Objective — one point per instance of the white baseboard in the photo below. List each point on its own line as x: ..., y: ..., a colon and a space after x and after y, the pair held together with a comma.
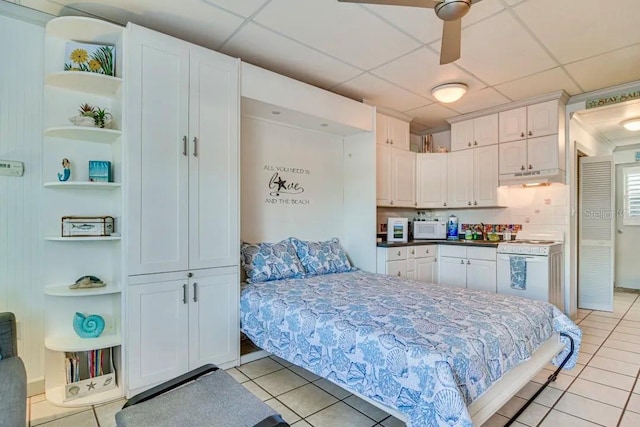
x: 35, y: 387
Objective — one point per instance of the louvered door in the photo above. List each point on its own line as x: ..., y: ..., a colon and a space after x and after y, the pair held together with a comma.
x: 596, y: 234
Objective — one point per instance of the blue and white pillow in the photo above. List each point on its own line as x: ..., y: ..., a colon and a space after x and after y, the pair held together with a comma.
x: 270, y: 261
x: 322, y: 257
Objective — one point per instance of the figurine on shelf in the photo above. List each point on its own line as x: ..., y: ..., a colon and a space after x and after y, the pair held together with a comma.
x: 87, y: 282
x: 66, y: 170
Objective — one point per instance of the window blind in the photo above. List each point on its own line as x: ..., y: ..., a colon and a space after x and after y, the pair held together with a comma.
x: 632, y: 196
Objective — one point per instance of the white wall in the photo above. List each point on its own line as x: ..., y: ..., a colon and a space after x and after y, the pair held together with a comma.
x: 586, y: 142
x: 21, y: 94
x: 311, y: 160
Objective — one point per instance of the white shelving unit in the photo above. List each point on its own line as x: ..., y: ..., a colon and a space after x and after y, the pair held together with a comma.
x: 65, y: 91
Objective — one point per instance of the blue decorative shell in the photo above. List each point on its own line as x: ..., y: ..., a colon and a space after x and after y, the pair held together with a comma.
x: 88, y: 326
x: 449, y: 406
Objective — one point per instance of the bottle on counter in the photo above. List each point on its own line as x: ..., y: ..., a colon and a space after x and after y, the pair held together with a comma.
x: 452, y: 228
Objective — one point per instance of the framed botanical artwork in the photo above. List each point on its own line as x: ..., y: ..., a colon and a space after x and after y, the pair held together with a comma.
x: 93, y: 58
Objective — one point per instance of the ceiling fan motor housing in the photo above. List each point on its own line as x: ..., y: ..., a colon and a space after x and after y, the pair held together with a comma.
x: 452, y: 10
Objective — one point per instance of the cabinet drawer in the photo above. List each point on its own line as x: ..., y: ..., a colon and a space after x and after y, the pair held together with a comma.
x: 425, y: 251
x: 488, y: 254
x: 394, y: 254
x: 453, y: 251
x: 397, y: 268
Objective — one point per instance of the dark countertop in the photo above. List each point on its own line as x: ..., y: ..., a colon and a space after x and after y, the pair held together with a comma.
x: 462, y: 242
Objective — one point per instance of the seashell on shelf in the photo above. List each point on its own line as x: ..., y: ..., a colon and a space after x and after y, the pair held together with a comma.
x: 88, y: 121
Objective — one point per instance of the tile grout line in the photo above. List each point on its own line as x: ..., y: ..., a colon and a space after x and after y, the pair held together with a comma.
x: 565, y: 391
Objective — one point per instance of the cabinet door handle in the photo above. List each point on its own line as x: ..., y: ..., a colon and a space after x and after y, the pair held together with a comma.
x: 195, y: 292
x: 522, y: 167
x: 398, y: 253
x: 469, y: 203
x: 184, y: 145
x: 475, y: 203
x: 445, y: 204
x: 469, y: 144
x: 392, y: 142
x: 461, y: 261
x: 475, y: 142
x: 530, y: 167
x: 184, y: 293
x: 413, y: 252
x: 427, y: 250
x: 391, y: 202
x: 521, y: 134
x: 468, y: 262
x: 530, y: 133
x: 398, y: 274
x: 387, y: 140
x: 195, y: 146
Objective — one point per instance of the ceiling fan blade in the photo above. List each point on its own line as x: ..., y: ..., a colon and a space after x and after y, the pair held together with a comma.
x: 451, y: 35
x: 413, y: 3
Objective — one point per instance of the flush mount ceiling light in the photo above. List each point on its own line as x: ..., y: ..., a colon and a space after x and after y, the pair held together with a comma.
x: 449, y: 92
x: 632, y: 124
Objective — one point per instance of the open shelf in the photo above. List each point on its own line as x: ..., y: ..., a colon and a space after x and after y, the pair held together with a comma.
x: 80, y: 133
x: 83, y: 81
x: 85, y: 239
x: 64, y: 291
x: 86, y: 30
x: 82, y: 185
x: 55, y: 396
x: 75, y: 343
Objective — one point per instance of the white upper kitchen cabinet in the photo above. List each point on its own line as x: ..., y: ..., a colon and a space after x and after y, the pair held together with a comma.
x: 485, y: 176
x: 533, y: 154
x: 513, y: 157
x: 392, y: 131
x: 472, y: 178
x: 431, y: 180
x: 478, y: 132
x: 183, y: 153
x: 460, y: 178
x: 531, y: 121
x: 395, y: 177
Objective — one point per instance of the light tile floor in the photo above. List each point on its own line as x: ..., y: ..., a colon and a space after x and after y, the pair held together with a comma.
x: 603, y: 390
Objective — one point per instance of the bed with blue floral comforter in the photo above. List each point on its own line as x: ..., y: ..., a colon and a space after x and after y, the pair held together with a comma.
x: 426, y: 350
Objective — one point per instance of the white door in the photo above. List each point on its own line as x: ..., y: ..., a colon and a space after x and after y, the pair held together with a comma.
x: 403, y: 173
x: 481, y: 275
x: 513, y: 157
x: 157, y: 132
x: 513, y: 124
x: 460, y: 178
x: 542, y: 119
x: 157, y: 332
x: 431, y: 180
x: 399, y: 133
x: 461, y: 135
x: 383, y: 175
x: 596, y: 233
x: 485, y: 176
x: 214, y: 334
x: 425, y: 269
x: 213, y: 160
x: 485, y: 130
x: 627, y: 225
x: 542, y: 153
x: 452, y: 272
x: 382, y: 129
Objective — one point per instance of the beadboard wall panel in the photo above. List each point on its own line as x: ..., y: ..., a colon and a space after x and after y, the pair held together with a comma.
x: 21, y: 96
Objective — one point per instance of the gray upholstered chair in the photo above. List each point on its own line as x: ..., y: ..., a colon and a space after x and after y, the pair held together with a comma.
x: 13, y: 377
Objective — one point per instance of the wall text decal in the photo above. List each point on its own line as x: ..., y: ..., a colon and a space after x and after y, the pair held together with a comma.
x: 284, y: 184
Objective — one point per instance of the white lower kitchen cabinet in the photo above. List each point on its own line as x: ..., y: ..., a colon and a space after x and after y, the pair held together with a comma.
x: 468, y: 267
x: 413, y: 262
x: 180, y: 321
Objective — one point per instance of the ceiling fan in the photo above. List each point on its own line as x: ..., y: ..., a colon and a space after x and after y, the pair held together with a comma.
x: 450, y: 11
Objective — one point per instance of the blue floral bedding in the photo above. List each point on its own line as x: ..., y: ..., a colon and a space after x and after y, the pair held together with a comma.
x: 426, y: 350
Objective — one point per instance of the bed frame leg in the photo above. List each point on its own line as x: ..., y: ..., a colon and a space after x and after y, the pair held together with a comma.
x: 551, y: 378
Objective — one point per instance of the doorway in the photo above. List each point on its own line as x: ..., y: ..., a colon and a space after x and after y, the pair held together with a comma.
x: 627, y: 274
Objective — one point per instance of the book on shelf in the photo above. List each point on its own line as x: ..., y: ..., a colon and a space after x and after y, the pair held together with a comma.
x: 88, y: 372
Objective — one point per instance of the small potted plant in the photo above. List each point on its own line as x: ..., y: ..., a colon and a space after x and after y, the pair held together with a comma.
x: 91, y: 116
x: 101, y: 117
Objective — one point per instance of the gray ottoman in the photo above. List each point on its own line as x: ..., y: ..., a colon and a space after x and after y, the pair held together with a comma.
x: 206, y: 396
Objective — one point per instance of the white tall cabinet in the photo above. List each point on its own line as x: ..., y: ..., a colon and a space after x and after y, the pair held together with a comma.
x: 183, y: 208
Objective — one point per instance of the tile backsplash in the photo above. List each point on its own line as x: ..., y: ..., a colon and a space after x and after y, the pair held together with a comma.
x: 536, y: 209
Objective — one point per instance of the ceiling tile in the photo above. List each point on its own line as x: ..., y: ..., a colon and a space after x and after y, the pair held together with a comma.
x: 431, y: 116
x: 346, y: 31
x: 498, y: 50
x: 479, y: 100
x: 577, y: 29
x: 606, y: 70
x: 420, y: 71
x: 274, y: 52
x: 537, y: 84
x: 244, y: 7
x: 513, y: 2
x: 380, y: 93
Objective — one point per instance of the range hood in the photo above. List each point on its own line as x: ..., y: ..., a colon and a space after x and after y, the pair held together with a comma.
x: 545, y: 176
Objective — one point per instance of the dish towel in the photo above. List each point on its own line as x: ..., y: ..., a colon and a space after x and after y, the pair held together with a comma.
x: 518, y: 270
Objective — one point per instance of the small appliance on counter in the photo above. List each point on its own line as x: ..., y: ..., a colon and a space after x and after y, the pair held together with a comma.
x: 425, y: 230
x: 452, y: 228
x: 398, y: 230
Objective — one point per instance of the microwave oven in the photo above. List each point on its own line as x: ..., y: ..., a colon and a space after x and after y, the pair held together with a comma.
x: 429, y: 230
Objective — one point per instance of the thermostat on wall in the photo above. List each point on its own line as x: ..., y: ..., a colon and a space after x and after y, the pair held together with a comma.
x: 11, y: 168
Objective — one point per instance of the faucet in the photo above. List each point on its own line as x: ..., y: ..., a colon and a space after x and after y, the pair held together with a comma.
x: 482, y: 231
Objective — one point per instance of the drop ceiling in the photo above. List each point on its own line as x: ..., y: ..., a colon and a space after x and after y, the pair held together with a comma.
x: 389, y: 55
